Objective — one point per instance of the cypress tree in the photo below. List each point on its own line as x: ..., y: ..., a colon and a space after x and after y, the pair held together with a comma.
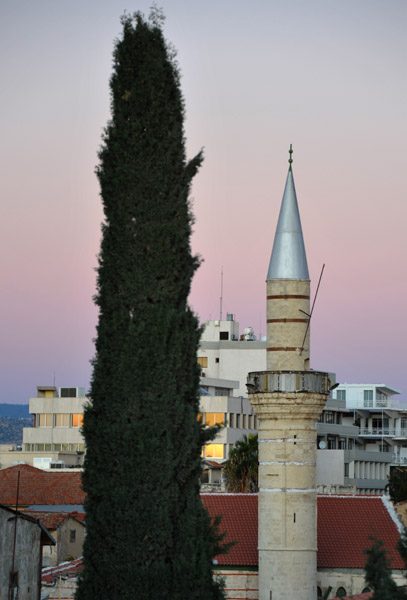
x: 148, y: 536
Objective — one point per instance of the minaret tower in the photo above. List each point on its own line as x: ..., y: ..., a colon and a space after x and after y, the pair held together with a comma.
x: 288, y: 399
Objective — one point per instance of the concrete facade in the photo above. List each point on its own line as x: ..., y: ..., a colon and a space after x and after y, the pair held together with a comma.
x: 225, y: 354
x: 20, y: 560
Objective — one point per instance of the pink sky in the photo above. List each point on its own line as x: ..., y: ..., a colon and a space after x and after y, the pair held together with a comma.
x: 326, y: 76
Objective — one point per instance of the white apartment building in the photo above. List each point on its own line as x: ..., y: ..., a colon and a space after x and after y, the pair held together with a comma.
x: 225, y: 354
x: 362, y: 434
x: 56, y: 440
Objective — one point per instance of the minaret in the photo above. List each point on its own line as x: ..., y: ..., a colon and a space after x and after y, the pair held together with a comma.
x: 288, y: 399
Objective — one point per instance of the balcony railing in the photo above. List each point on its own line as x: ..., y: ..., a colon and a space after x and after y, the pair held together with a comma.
x: 378, y: 432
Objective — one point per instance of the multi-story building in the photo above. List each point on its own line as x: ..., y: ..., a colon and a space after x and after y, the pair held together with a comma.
x: 362, y: 434
x: 55, y: 440
x: 225, y: 354
x: 218, y: 405
x: 357, y: 444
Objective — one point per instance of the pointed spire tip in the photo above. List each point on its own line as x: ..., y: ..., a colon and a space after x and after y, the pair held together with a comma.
x: 290, y: 160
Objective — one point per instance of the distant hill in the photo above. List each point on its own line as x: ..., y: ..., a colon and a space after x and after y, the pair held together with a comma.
x: 14, y: 411
x: 11, y: 429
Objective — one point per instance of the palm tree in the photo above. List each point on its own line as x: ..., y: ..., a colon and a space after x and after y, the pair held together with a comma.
x: 241, y: 469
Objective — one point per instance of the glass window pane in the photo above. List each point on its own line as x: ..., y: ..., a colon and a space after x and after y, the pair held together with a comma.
x: 62, y: 420
x: 45, y: 420
x: 77, y: 420
x: 203, y: 361
x: 214, y: 451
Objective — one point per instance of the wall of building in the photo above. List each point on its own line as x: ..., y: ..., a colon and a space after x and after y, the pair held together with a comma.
x: 27, y: 555
x: 41, y: 460
x: 352, y: 580
x: 233, y: 360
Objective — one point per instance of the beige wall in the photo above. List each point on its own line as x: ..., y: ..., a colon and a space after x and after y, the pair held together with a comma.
x: 65, y: 549
x: 9, y: 458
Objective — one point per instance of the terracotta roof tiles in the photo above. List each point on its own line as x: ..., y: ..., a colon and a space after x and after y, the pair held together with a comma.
x: 40, y: 487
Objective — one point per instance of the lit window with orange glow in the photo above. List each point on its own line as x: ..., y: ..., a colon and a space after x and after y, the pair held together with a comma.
x: 77, y: 420
x: 214, y: 419
x: 214, y: 451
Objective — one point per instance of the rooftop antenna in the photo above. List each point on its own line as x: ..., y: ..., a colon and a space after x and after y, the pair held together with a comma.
x: 221, y: 294
x: 290, y: 160
x: 312, y: 309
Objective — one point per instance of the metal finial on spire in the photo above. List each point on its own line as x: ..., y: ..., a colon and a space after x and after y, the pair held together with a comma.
x: 290, y: 152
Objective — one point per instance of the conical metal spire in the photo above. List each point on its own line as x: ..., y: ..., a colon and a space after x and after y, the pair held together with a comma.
x: 288, y: 259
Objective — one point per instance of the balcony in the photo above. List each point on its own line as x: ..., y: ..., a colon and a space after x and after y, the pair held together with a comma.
x: 376, y: 432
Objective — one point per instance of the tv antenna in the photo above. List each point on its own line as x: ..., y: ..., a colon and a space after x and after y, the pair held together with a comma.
x: 221, y: 294
x: 312, y: 309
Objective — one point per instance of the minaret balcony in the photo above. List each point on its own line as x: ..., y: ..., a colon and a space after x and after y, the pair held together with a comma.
x: 308, y: 382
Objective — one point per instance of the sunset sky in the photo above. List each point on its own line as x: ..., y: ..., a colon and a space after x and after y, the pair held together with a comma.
x: 327, y: 76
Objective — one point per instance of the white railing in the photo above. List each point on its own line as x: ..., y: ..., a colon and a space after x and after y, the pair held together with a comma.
x: 378, y: 432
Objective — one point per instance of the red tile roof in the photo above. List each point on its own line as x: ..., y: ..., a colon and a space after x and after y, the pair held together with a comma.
x: 52, y: 520
x: 239, y: 520
x: 40, y: 487
x: 345, y: 524
x: 66, y: 569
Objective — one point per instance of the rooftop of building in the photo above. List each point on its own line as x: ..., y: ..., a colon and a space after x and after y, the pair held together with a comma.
x: 38, y: 487
x: 351, y: 521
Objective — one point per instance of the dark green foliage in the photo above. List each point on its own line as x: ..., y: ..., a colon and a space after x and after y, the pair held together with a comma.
x: 378, y: 574
x: 148, y: 536
x: 241, y: 469
x: 397, y: 486
x: 11, y: 429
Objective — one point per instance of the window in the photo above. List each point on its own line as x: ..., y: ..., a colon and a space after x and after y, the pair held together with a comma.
x: 329, y: 417
x: 45, y: 420
x: 68, y: 392
x: 77, y: 420
x: 350, y: 444
x: 203, y: 361
x: 214, y: 419
x: 365, y: 590
x: 214, y: 451
x: 368, y: 398
x: 72, y: 535
x: 342, y: 444
x: 237, y: 421
x: 61, y: 420
x: 223, y: 335
x: 222, y: 391
x: 341, y: 592
x: 341, y: 394
x: 217, y: 359
x: 346, y: 470
x: 331, y: 443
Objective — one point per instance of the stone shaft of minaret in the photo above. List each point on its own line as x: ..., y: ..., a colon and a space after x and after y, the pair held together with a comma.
x: 288, y: 399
